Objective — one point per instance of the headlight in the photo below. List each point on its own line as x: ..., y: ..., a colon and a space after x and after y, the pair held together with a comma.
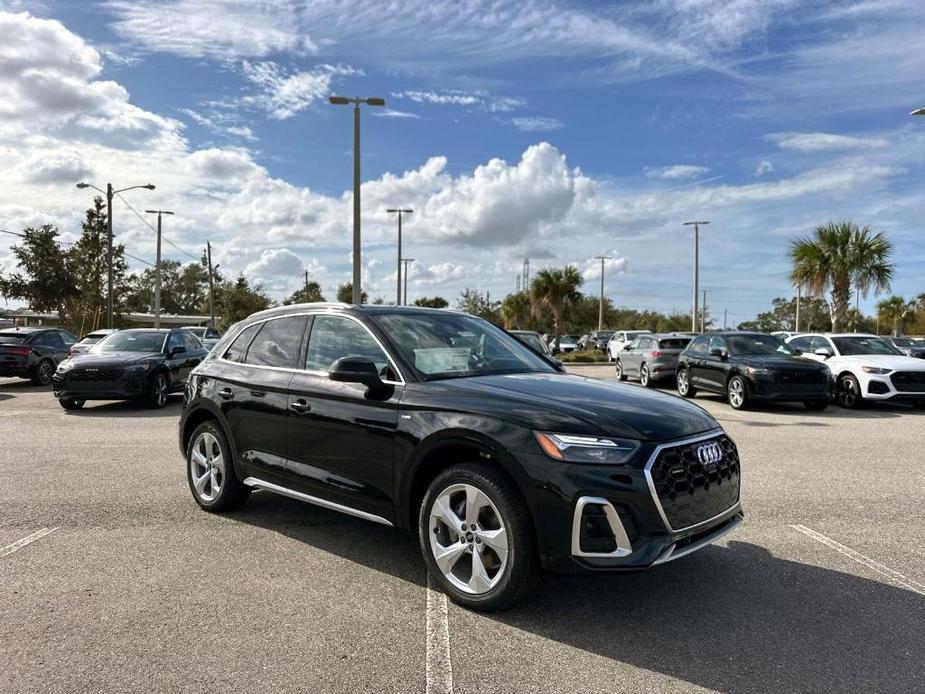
x: 586, y: 449
x: 875, y: 370
x: 139, y: 368
x: 757, y: 371
x: 66, y: 365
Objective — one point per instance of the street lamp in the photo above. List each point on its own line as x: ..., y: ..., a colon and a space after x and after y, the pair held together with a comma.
x: 406, y: 261
x: 109, y: 193
x: 157, y: 268
x: 356, y: 101
x: 696, y: 226
x: 398, y: 301
x: 918, y: 112
x: 600, y: 310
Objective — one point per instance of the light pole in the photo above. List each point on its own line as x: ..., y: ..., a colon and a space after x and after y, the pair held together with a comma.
x: 356, y: 101
x: 918, y: 112
x: 600, y: 310
x: 109, y: 193
x: 696, y: 226
x: 207, y: 262
x: 398, y: 301
x: 406, y: 262
x: 157, y: 268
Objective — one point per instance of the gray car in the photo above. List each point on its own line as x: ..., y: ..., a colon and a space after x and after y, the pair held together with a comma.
x: 651, y: 358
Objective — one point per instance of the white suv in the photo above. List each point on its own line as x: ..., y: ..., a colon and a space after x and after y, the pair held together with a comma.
x: 621, y: 339
x: 865, y: 367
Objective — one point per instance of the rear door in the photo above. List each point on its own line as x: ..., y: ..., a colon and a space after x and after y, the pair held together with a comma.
x: 341, y: 437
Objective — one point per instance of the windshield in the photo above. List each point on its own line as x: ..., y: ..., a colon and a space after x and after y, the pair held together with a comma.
x: 605, y: 335
x: 198, y: 332
x: 532, y: 341
x: 904, y: 342
x: 863, y: 345
x: 457, y: 346
x: 750, y: 345
x: 131, y: 342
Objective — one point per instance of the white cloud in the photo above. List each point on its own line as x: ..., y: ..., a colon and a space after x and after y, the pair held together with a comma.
x: 764, y: 167
x: 283, y: 95
x: 221, y: 165
x: 678, y: 171
x: 220, y: 122
x: 276, y: 269
x: 64, y: 166
x: 392, y: 113
x: 824, y: 142
x: 458, y: 97
x: 614, y: 264
x: 532, y: 124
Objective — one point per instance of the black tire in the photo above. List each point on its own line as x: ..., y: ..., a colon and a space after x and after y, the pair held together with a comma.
x: 683, y: 383
x: 71, y: 403
x: 815, y: 405
x: 43, y: 372
x: 849, y: 392
x: 737, y: 393
x: 619, y: 371
x: 157, y: 395
x: 232, y: 493
x: 521, y: 569
x: 645, y: 378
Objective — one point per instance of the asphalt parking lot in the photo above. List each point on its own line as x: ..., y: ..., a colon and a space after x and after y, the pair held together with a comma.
x: 127, y: 586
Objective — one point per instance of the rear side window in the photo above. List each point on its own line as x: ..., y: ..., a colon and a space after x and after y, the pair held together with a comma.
x: 335, y: 337
x: 278, y: 343
x: 238, y: 349
x: 191, y: 342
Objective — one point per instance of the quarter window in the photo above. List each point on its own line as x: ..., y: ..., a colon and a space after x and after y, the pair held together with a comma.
x: 335, y: 337
x: 278, y: 343
x: 238, y: 349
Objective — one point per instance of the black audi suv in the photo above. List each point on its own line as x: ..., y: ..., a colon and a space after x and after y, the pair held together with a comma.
x: 440, y: 422
x: 749, y: 367
x: 138, y: 364
x: 33, y: 352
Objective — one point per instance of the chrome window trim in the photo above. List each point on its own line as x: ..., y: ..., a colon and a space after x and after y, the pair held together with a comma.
x: 317, y: 501
x: 651, y: 483
x: 624, y: 547
x: 313, y: 372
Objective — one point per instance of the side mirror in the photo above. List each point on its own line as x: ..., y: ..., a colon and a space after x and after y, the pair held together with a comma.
x: 627, y: 348
x: 718, y: 352
x: 555, y: 350
x: 823, y: 352
x: 356, y: 370
x: 179, y: 349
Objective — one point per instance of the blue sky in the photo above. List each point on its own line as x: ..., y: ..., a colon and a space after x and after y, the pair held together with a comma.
x: 555, y: 131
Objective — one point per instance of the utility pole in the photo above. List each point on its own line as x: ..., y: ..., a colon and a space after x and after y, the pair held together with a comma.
x: 110, y: 193
x: 696, y: 226
x: 400, y: 211
x: 600, y: 308
x: 207, y: 262
x: 796, y: 326
x: 406, y: 262
x: 526, y: 280
x: 157, y: 268
x: 725, y: 312
x: 306, y: 281
x: 703, y: 313
x: 356, y: 101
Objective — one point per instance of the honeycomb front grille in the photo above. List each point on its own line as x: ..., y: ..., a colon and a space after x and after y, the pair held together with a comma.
x: 94, y: 375
x: 694, y: 486
x: 909, y: 381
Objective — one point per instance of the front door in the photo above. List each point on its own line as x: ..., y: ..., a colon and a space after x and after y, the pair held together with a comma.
x: 341, y: 436
x: 714, y: 367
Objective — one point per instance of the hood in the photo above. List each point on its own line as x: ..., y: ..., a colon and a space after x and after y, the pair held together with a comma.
x: 583, y: 405
x: 885, y: 361
x: 111, y: 359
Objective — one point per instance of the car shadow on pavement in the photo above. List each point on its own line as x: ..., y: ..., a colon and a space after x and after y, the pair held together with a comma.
x: 127, y: 408
x: 739, y: 619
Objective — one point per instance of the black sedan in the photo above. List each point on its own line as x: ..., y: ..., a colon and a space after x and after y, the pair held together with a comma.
x: 746, y: 367
x: 34, y: 352
x: 129, y: 365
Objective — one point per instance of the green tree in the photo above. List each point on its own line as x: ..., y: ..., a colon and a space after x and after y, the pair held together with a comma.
x: 897, y: 313
x: 516, y: 312
x: 837, y: 257
x: 814, y: 315
x: 474, y: 302
x: 235, y: 301
x: 310, y: 293
x: 44, y: 283
x: 432, y: 302
x: 345, y: 294
x: 555, y: 288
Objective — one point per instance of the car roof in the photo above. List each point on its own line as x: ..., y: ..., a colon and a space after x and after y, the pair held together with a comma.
x: 523, y: 332
x: 26, y: 329
x: 839, y: 335
x: 353, y: 309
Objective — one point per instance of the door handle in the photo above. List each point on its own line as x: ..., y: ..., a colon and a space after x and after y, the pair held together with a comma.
x: 258, y: 393
x: 226, y: 394
x: 300, y: 406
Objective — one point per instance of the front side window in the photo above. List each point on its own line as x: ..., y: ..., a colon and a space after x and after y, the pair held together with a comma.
x: 753, y: 345
x: 175, y: 340
x: 191, y: 342
x: 50, y: 339
x: 458, y: 346
x: 336, y: 337
x: 864, y: 345
x: 131, y: 342
x: 801, y: 343
x: 699, y: 347
x: 68, y: 338
x: 278, y: 343
x: 717, y: 343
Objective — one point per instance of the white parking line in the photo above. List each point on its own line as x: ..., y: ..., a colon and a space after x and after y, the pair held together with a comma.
x: 894, y: 576
x: 438, y: 667
x: 19, y: 544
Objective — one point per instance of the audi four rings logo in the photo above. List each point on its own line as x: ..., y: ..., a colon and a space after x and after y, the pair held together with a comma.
x: 709, y: 453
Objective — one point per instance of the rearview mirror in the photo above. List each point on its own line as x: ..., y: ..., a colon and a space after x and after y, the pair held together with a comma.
x: 356, y: 370
x: 823, y: 352
x: 179, y: 349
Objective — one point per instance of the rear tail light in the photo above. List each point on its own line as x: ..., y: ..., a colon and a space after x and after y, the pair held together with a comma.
x: 656, y: 353
x: 21, y: 351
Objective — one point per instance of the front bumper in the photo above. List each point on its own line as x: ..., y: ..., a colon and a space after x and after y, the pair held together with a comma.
x: 772, y: 390
x: 126, y: 386
x: 896, y: 385
x: 611, y: 518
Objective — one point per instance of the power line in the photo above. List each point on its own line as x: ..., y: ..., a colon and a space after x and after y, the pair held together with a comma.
x: 74, y: 243
x: 151, y: 227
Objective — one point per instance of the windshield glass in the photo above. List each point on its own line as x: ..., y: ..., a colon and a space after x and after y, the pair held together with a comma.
x: 863, y: 345
x: 198, y: 332
x: 748, y: 345
x: 131, y: 342
x: 457, y: 346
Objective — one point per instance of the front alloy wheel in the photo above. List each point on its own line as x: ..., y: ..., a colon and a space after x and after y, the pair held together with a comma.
x: 849, y: 392
x: 477, y: 537
x: 685, y: 390
x: 737, y: 392
x: 158, y: 396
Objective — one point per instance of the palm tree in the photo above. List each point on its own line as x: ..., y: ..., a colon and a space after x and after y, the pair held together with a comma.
x: 515, y: 311
x: 837, y: 257
x: 555, y: 288
x: 895, y: 312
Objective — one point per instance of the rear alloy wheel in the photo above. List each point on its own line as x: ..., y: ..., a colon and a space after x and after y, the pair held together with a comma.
x: 210, y: 472
x: 157, y: 398
x: 620, y: 375
x: 477, y: 538
x: 737, y: 393
x: 644, y: 377
x: 43, y: 373
x: 685, y: 389
x: 71, y: 403
x: 849, y: 392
